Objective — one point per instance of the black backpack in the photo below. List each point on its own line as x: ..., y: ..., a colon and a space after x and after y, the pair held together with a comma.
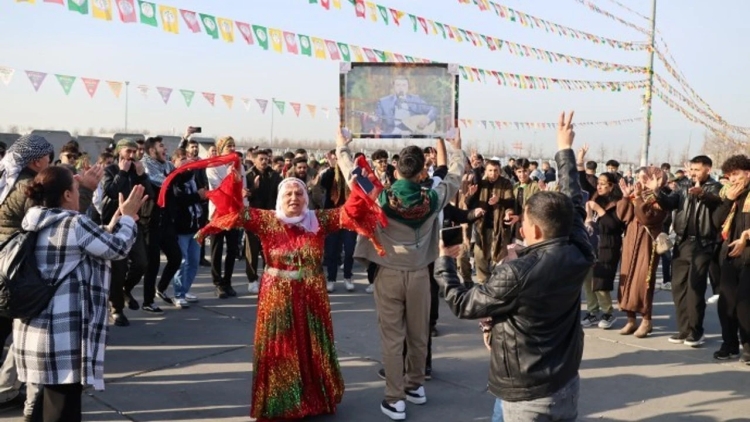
x: 24, y: 293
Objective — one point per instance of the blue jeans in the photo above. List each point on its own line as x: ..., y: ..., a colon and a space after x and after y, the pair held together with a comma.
x: 191, y: 255
x: 497, y: 413
x: 334, y: 242
x: 561, y: 406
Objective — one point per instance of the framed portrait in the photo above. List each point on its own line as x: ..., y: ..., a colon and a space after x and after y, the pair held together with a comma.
x: 398, y: 100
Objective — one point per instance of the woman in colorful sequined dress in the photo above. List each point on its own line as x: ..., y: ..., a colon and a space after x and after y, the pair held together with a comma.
x: 296, y: 371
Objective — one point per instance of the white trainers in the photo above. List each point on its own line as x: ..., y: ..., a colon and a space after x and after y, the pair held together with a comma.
x: 416, y: 396
x: 253, y: 287
x: 331, y: 286
x: 181, y: 303
x: 370, y: 289
x: 191, y: 298
x: 349, y: 285
x: 713, y: 299
x: 395, y: 411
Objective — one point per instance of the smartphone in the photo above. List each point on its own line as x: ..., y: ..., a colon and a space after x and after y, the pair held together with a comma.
x: 585, y: 196
x: 197, y: 129
x: 452, y: 236
x: 363, y: 181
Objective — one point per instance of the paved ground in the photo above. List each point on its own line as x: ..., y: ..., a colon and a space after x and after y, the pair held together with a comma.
x: 194, y: 365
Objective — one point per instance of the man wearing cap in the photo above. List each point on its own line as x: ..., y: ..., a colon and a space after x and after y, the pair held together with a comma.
x: 29, y: 155
x: 119, y: 179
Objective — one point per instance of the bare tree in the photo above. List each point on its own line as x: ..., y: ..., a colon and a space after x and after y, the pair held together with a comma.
x: 13, y: 129
x: 602, y: 152
x: 669, y: 155
x: 90, y: 131
x: 721, y: 145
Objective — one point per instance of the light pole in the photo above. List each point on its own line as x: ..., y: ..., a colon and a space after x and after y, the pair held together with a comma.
x: 649, y: 87
x: 273, y: 104
x: 127, y: 91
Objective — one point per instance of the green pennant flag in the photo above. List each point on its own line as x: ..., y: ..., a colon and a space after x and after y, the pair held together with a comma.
x: 66, y: 82
x: 383, y: 13
x: 313, y: 1
x: 209, y: 23
x: 148, y: 13
x: 413, y: 22
x: 410, y: 59
x: 261, y: 34
x: 280, y: 105
x: 188, y: 96
x: 463, y: 72
x: 80, y: 6
x: 442, y: 29
x: 305, y: 45
x: 381, y: 55
x: 346, y: 54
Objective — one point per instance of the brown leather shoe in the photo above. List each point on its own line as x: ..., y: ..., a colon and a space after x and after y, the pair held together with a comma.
x: 645, y: 329
x: 629, y: 328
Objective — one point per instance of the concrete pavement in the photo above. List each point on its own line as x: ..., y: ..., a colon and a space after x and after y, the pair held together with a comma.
x: 195, y: 365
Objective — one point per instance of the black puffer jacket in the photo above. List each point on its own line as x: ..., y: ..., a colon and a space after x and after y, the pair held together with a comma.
x: 534, y: 302
x: 683, y: 202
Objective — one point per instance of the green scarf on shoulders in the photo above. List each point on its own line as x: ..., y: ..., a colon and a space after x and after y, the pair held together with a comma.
x: 408, y: 203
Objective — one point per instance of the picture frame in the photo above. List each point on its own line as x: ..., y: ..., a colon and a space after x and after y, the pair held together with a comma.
x: 398, y: 100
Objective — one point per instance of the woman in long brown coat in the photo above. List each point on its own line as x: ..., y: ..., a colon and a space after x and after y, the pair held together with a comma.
x: 644, y: 219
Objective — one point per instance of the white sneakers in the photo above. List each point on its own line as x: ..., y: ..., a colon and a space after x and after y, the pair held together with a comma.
x: 370, y: 289
x: 397, y: 411
x: 331, y: 285
x: 416, y: 396
x: 713, y: 299
x: 180, y: 303
x: 253, y: 288
x: 191, y: 298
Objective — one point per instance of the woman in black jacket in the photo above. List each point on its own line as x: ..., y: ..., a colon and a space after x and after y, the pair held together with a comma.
x: 607, y: 207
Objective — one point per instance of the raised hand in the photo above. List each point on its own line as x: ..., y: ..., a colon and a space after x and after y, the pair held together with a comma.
x: 342, y: 139
x: 565, y: 133
x: 626, y: 190
x: 456, y: 141
x: 653, y: 183
x: 125, y: 164
x: 582, y: 151
x: 139, y: 170
x: 90, y: 178
x: 133, y: 204
x: 473, y: 188
x: 734, y: 191
x: 696, y: 190
x: 494, y: 199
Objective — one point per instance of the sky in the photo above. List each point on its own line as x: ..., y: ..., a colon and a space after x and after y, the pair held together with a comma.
x: 702, y: 36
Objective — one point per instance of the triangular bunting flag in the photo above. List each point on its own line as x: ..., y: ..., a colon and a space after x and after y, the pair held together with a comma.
x: 66, y: 82
x: 169, y: 19
x: 305, y: 45
x: 127, y: 11
x: 280, y: 105
x: 319, y: 48
x: 148, y: 13
x: 311, y: 108
x: 262, y: 104
x: 246, y: 31
x: 80, y: 6
x: 143, y: 89
x: 290, y: 39
x: 345, y: 53
x: 165, y: 92
x: 246, y: 103
x: 296, y: 107
x: 333, y: 50
x: 6, y: 74
x: 188, y: 96
x: 325, y: 111
x: 116, y: 88
x: 91, y: 86
x: 209, y: 23
x: 261, y: 34
x: 210, y: 97
x: 359, y: 7
x: 191, y: 20
x: 226, y: 28
x: 276, y: 41
x: 36, y: 78
x: 229, y: 100
x: 102, y: 9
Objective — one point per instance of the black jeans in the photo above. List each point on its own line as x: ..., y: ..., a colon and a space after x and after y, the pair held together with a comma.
x: 161, y: 238
x: 714, y: 271
x: 666, y: 267
x: 434, y: 299
x: 6, y: 330
x: 252, y: 250
x: 58, y: 403
x: 690, y: 264
x: 734, y: 303
x: 232, y: 239
x: 126, y: 273
x: 333, y: 244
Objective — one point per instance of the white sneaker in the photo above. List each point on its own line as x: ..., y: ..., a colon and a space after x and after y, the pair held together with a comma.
x: 191, y: 298
x: 370, y: 288
x: 253, y: 287
x: 181, y: 303
x: 395, y: 411
x: 667, y: 286
x: 713, y: 299
x: 331, y: 286
x: 349, y: 285
x: 416, y: 396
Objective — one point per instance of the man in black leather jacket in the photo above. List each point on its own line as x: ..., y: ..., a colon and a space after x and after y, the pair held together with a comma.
x: 534, y: 301
x: 696, y: 240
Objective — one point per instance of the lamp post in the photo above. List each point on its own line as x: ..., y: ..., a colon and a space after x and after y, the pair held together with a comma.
x: 649, y: 87
x: 127, y: 92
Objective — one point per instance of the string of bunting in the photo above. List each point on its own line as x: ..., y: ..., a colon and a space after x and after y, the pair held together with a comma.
x: 386, y: 15
x: 529, y: 21
x: 278, y: 40
x: 91, y: 85
x: 640, y: 15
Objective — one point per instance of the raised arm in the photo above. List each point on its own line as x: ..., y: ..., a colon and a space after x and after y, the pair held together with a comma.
x: 448, y: 188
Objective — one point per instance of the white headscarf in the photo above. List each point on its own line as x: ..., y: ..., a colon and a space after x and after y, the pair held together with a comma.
x: 307, y: 220
x: 25, y: 150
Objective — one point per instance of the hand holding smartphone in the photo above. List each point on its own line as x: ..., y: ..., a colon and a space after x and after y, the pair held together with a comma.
x: 452, y: 236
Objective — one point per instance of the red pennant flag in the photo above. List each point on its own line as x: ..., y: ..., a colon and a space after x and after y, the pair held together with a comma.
x: 370, y: 55
x: 295, y: 107
x: 62, y: 2
x: 424, y: 24
x: 290, y: 39
x: 333, y: 50
x: 400, y: 58
x: 246, y: 31
x: 191, y: 20
x: 127, y: 11
x: 359, y: 6
x: 326, y: 4
x: 91, y: 85
x: 210, y: 97
x: 397, y: 15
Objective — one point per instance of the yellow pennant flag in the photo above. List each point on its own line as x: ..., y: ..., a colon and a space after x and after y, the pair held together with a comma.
x: 169, y: 19
x: 311, y: 108
x: 373, y: 11
x: 102, y: 9
x: 34, y: 2
x: 276, y: 39
x: 357, y: 54
x: 229, y: 99
x: 320, y: 48
x: 337, y: 4
x: 226, y: 27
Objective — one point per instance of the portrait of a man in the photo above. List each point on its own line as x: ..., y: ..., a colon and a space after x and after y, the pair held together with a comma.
x: 402, y: 113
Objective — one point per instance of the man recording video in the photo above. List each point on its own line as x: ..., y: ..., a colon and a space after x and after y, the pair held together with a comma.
x: 402, y: 113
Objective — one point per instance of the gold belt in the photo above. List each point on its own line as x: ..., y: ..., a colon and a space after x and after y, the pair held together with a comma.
x: 288, y: 274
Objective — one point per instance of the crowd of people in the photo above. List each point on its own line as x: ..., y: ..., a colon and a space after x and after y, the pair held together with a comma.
x: 296, y: 221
